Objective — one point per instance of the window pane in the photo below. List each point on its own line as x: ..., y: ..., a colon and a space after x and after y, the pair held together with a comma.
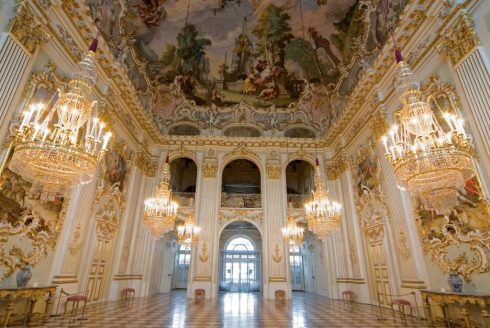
x: 240, y: 244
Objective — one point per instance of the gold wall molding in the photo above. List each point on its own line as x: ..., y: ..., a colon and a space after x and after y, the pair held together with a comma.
x: 202, y: 278
x: 276, y: 257
x: 457, y: 242
x: 273, y: 166
x: 413, y: 284
x: 252, y: 215
x: 460, y: 40
x: 146, y: 163
x: 277, y: 279
x: 210, y: 165
x: 203, y: 257
x: 357, y: 281
x: 128, y: 277
x: 27, y: 28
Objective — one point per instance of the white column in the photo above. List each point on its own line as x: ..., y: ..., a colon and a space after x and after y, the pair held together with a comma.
x: 203, y: 270
x: 274, y: 257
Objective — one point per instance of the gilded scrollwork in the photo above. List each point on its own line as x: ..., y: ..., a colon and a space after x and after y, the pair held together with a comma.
x: 254, y: 216
x: 273, y: 166
x: 460, y: 40
x: 368, y: 191
x: 276, y: 257
x: 460, y: 241
x: 203, y: 257
x: 27, y: 27
x: 210, y: 165
x: 24, y: 210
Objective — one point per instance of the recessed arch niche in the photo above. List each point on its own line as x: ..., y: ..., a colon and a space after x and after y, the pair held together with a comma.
x: 184, y: 130
x: 183, y: 179
x: 241, y: 184
x: 299, y: 132
x: 300, y: 176
x: 242, y: 131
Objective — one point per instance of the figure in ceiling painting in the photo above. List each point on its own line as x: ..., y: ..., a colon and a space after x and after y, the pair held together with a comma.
x: 225, y: 52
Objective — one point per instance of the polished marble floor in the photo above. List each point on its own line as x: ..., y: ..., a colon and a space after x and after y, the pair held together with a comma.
x: 233, y: 310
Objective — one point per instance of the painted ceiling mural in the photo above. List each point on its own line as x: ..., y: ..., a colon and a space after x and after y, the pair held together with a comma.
x: 261, y: 62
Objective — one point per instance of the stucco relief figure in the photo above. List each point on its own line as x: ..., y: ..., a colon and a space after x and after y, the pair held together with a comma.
x: 115, y: 169
x: 367, y: 177
x: 151, y: 12
x: 18, y: 197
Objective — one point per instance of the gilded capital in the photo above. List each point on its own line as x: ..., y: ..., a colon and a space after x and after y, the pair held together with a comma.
x: 460, y: 40
x: 27, y: 28
x: 273, y: 171
x: 209, y: 170
x: 146, y: 164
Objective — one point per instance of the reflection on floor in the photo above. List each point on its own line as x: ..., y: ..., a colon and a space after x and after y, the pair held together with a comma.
x: 233, y: 310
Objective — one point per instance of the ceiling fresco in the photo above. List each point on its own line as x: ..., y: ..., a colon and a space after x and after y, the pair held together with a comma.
x: 285, y: 62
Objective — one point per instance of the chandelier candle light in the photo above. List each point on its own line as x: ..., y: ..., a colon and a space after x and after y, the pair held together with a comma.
x: 160, y: 211
x: 430, y: 161
x: 57, y: 146
x: 188, y: 234
x: 323, y: 214
x: 292, y: 233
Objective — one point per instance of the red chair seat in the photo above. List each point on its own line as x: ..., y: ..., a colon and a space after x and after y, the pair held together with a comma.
x: 348, y: 292
x: 77, y: 298
x: 400, y: 301
x: 128, y: 290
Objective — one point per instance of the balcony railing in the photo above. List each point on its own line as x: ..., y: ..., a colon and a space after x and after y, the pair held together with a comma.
x: 298, y: 201
x: 184, y: 198
x: 232, y: 200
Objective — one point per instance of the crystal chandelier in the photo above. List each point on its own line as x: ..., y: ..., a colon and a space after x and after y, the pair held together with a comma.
x: 160, y: 211
x: 58, y: 146
x: 292, y: 233
x: 188, y: 234
x: 323, y: 214
x: 430, y: 161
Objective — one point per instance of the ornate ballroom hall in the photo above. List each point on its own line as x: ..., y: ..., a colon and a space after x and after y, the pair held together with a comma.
x: 244, y: 163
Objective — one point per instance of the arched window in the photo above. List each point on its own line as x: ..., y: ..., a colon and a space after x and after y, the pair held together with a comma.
x: 240, y: 244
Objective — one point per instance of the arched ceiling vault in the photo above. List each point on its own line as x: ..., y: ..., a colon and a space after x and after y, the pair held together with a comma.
x: 267, y: 63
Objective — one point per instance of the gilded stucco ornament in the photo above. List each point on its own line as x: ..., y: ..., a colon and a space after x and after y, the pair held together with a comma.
x: 203, y: 257
x: 276, y: 257
x: 367, y: 179
x: 273, y: 166
x: 32, y: 240
x: 460, y: 40
x: 27, y: 27
x: 210, y: 165
x: 460, y: 241
x: 254, y: 216
x: 334, y: 168
x: 38, y: 223
x: 145, y: 162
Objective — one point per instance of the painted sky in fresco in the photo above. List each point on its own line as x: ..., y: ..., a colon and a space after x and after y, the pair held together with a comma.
x: 222, y: 27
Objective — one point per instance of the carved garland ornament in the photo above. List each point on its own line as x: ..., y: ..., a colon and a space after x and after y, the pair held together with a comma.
x: 459, y: 41
x: 458, y: 242
x: 26, y: 27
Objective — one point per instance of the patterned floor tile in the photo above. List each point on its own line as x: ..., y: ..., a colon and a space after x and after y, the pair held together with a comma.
x: 233, y: 310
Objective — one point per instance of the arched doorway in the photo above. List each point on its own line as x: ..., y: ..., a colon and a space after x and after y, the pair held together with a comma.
x: 299, y: 185
x: 240, y: 259
x: 240, y: 185
x: 183, y: 178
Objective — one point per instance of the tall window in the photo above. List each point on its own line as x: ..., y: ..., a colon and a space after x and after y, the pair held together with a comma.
x: 184, y: 256
x: 240, y: 244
